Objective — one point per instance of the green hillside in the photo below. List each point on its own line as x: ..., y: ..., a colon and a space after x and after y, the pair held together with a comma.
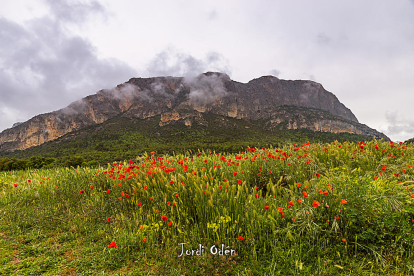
x: 124, y: 138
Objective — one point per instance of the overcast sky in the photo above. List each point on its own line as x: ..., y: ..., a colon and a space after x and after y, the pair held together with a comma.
x: 53, y: 52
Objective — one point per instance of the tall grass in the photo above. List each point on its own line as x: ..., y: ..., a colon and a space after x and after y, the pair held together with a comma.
x: 301, y: 209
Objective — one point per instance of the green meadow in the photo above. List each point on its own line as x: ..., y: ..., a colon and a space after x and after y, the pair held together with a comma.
x: 341, y: 208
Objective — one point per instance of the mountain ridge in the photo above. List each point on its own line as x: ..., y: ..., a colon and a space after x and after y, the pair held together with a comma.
x: 210, y: 92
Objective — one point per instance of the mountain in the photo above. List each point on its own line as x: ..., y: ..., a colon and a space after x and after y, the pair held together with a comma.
x: 282, y: 104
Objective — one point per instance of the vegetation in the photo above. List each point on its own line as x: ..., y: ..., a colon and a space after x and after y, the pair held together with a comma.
x: 123, y: 138
x: 299, y: 209
x: 410, y: 141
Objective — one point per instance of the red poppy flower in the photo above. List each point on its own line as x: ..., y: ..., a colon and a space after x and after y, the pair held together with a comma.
x: 112, y: 245
x: 82, y: 192
x: 239, y: 181
x: 240, y: 238
x: 266, y: 207
x: 144, y: 240
x: 108, y: 219
x: 257, y: 188
x: 299, y: 201
x: 343, y: 201
x: 171, y: 182
x: 336, y: 217
x: 29, y: 181
x: 298, y: 185
x: 108, y: 191
x: 234, y: 173
x: 317, y: 174
x: 15, y: 185
x: 383, y: 168
x: 169, y: 224
x: 257, y: 196
x: 305, y: 194
x: 316, y: 203
x: 164, y: 218
x: 176, y: 195
x: 140, y: 204
x: 326, y: 192
x: 344, y: 240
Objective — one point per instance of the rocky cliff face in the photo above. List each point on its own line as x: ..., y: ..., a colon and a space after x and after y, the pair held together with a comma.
x: 186, y: 100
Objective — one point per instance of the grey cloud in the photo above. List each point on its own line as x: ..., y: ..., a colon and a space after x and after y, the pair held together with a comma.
x: 172, y: 62
x: 399, y: 126
x: 212, y: 15
x: 203, y: 88
x: 275, y: 72
x: 322, y: 38
x: 43, y: 66
x: 73, y: 11
x: 206, y: 88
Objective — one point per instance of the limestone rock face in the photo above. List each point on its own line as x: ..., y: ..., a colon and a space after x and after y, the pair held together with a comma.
x: 184, y: 100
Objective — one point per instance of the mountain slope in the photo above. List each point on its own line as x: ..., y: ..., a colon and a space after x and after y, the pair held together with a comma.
x: 209, y: 93
x: 124, y: 138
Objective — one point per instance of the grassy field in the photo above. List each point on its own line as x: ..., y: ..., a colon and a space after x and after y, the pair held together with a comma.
x: 304, y: 209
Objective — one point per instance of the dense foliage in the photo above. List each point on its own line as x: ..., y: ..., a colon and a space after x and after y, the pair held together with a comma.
x: 123, y: 138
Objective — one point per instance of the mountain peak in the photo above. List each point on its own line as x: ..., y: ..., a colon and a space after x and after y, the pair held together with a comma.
x: 210, y: 92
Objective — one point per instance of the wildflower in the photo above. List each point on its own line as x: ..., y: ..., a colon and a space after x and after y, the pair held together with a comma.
x: 144, y: 240
x: 343, y: 201
x: 164, y: 218
x: 91, y: 187
x: 29, y: 181
x: 108, y: 191
x: 171, y: 182
x: 112, y: 245
x: 82, y: 192
x: 234, y: 173
x: 240, y: 238
x: 239, y: 181
x: 170, y: 223
x: 344, y: 240
x: 256, y: 188
x: 176, y: 195
x: 140, y: 204
x: 108, y: 219
x: 15, y: 185
x: 320, y: 192
x: 257, y: 196
x: 383, y: 168
x: 337, y: 217
x: 317, y: 174
x: 221, y: 187
x: 305, y: 194
x: 316, y: 203
x: 325, y: 192
x: 299, y: 201
x: 266, y: 207
x: 298, y: 185
x: 145, y: 187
